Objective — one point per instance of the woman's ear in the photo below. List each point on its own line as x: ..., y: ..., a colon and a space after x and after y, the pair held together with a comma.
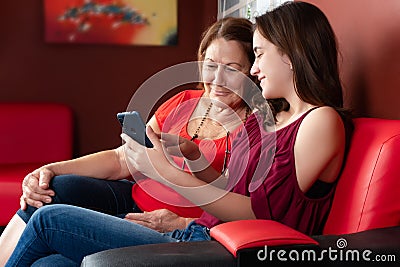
x: 287, y: 61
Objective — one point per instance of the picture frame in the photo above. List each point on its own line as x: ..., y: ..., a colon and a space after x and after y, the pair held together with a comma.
x: 121, y: 22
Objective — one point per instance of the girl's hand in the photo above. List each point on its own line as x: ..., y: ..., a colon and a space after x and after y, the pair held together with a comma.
x: 151, y: 162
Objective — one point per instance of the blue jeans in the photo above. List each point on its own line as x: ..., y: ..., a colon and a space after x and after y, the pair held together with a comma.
x: 74, y: 232
x: 110, y: 197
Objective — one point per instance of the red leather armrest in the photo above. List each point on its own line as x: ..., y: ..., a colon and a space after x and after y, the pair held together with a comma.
x: 242, y: 234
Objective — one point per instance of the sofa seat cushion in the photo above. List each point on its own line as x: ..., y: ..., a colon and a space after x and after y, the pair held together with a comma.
x: 11, y: 176
x: 193, y: 254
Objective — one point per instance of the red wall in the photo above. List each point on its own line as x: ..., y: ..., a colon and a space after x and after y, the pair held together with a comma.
x: 369, y: 38
x: 96, y: 81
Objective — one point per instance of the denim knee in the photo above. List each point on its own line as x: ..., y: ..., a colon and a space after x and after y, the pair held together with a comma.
x: 47, y: 216
x: 55, y: 260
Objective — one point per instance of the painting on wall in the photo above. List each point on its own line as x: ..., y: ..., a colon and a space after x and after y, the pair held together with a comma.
x: 123, y: 22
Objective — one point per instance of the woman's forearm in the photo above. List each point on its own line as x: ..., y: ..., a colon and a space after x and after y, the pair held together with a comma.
x: 227, y: 206
x: 202, y: 169
x: 108, y: 164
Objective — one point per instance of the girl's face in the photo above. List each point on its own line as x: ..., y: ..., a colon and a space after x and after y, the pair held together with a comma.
x: 225, y: 69
x: 272, y: 68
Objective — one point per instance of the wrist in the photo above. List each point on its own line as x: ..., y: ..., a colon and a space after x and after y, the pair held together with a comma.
x: 51, y: 167
x: 198, y: 163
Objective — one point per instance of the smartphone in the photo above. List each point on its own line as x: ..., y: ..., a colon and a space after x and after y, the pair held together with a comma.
x: 133, y: 125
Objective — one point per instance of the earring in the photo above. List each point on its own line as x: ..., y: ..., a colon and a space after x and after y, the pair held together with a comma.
x: 291, y: 67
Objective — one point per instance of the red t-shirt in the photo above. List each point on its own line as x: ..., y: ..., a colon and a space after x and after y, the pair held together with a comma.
x: 172, y: 117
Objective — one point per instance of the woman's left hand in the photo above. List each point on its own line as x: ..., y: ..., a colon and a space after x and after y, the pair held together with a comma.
x: 161, y: 220
x: 151, y: 162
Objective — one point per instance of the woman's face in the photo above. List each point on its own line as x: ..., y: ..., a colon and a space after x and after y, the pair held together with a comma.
x: 272, y: 68
x: 225, y: 69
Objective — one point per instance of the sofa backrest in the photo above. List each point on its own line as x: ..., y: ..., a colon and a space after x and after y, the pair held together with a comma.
x: 35, y: 132
x: 368, y: 191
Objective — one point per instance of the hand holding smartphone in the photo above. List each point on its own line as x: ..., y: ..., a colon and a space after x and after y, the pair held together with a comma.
x: 133, y: 125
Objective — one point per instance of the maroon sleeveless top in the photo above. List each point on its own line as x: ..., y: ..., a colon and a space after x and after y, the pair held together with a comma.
x: 262, y: 166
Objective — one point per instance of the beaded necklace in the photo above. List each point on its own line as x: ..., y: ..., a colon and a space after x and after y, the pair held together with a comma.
x: 205, y: 116
x: 227, y: 151
x: 196, y: 133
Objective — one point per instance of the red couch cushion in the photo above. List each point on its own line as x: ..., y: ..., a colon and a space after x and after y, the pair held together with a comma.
x: 32, y: 134
x: 11, y: 177
x: 237, y: 235
x: 367, y: 195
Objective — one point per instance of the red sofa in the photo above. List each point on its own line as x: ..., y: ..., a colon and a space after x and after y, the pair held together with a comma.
x: 365, y: 215
x: 31, y: 135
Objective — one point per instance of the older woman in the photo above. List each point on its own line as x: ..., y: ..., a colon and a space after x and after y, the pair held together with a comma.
x: 210, y: 117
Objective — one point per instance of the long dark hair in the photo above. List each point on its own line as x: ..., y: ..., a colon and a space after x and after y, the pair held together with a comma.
x: 301, y: 31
